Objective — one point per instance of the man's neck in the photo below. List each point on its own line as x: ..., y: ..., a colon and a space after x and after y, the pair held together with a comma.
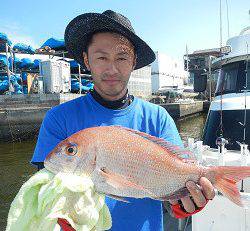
x: 121, y: 103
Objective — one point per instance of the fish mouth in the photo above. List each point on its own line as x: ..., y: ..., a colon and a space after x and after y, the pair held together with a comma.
x: 52, y: 166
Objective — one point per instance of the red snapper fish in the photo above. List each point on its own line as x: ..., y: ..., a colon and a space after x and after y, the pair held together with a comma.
x: 126, y: 163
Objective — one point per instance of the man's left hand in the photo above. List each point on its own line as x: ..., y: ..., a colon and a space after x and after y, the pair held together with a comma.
x: 199, y: 193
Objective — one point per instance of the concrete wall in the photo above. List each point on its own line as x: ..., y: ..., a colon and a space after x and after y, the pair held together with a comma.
x: 180, y: 110
x: 21, y: 115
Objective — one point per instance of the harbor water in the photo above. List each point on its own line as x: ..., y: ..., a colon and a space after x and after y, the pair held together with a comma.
x: 15, y: 168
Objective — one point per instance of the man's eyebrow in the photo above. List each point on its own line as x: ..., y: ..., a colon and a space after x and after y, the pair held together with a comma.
x: 101, y: 51
x: 106, y: 53
x: 123, y: 53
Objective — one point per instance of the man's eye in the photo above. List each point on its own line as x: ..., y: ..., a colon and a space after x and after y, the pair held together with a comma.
x: 101, y: 58
x: 122, y: 59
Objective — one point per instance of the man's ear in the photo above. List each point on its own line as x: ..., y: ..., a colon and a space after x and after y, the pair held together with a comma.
x: 86, y: 60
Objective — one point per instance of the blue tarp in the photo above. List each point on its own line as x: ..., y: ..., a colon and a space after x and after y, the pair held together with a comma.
x: 86, y: 85
x: 3, y: 77
x: 24, y: 48
x: 4, y: 39
x: 75, y: 86
x: 3, y: 60
x: 17, y: 62
x: 24, y: 76
x: 73, y: 64
x: 25, y: 89
x: 56, y: 44
x: 74, y: 80
x: 18, y: 78
x: 2, y: 48
x: 18, y: 88
x: 14, y: 79
x: 26, y: 63
x: 10, y: 60
x: 90, y: 86
x: 4, y: 85
x: 36, y: 63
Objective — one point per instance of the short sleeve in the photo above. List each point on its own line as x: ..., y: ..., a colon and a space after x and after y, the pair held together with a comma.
x: 168, y: 129
x: 51, y: 133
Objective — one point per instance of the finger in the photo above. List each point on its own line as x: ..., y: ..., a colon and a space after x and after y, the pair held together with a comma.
x: 188, y: 204
x: 173, y: 202
x: 196, y: 193
x: 207, y: 188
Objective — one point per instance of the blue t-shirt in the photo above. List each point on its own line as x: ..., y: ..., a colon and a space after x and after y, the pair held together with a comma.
x: 83, y: 112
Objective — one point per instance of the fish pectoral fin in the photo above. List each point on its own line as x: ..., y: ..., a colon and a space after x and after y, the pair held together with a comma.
x: 118, y: 198
x: 119, y: 181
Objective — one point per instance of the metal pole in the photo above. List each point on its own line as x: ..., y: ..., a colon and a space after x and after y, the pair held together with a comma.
x: 209, y: 78
x: 227, y: 21
x: 220, y: 26
x: 245, y: 94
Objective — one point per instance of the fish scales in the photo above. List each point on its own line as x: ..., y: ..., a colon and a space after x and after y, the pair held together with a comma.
x: 141, y: 161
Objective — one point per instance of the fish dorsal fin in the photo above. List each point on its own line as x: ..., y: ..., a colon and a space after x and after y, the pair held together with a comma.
x: 179, y: 152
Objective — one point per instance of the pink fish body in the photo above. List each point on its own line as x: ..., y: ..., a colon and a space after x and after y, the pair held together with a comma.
x: 126, y: 163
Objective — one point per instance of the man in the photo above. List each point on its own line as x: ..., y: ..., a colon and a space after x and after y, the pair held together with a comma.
x: 108, y: 47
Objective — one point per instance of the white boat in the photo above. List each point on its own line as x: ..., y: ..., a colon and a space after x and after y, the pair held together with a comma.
x: 221, y: 213
x: 226, y: 135
x: 227, y: 112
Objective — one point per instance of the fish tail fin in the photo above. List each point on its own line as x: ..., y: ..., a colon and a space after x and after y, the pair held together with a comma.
x: 226, y: 178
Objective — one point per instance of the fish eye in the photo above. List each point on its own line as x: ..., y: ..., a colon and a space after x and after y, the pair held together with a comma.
x: 71, y: 150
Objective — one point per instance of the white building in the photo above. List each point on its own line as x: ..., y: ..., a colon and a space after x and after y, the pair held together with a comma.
x: 140, y: 82
x: 167, y: 73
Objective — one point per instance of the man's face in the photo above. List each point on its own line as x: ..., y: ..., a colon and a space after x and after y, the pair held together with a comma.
x: 111, y: 60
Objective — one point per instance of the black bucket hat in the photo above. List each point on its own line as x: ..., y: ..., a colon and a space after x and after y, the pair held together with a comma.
x: 79, y: 30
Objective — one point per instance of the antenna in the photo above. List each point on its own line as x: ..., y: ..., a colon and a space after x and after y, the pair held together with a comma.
x: 220, y: 128
x: 227, y: 21
x: 245, y: 91
x: 220, y: 25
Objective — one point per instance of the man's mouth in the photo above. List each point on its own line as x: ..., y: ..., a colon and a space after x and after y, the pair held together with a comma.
x: 111, y: 81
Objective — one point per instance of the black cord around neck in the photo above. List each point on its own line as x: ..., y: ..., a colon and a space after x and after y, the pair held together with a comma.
x: 121, y: 103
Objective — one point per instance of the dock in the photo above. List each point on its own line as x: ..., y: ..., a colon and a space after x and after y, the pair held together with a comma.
x: 185, y: 109
x: 21, y: 115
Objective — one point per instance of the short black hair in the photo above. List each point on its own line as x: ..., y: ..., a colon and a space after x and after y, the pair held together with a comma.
x: 89, y: 38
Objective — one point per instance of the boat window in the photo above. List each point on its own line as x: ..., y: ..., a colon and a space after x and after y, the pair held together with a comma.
x: 227, y: 78
x: 248, y: 75
x: 243, y: 80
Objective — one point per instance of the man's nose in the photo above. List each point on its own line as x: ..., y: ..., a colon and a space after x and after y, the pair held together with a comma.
x: 112, y: 68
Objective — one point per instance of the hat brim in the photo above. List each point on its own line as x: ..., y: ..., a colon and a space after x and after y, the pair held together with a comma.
x: 78, y: 30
